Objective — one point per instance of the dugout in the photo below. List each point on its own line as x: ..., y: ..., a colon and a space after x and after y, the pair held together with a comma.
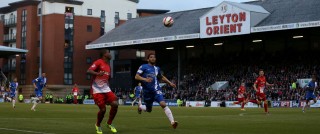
x: 227, y: 32
x: 7, y: 52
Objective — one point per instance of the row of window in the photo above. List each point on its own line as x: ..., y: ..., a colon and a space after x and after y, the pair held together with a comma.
x: 23, y: 46
x: 89, y: 12
x: 68, y: 55
x: 129, y: 15
x: 11, y: 17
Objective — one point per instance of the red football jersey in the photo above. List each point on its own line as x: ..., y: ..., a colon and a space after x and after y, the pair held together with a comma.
x: 261, y: 83
x: 75, y: 91
x: 241, y: 92
x: 100, y: 84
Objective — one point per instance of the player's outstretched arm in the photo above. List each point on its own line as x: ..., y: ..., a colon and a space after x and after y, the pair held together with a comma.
x: 167, y: 81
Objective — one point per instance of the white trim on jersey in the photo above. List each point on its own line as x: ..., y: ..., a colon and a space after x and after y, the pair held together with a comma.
x: 156, y: 79
x: 100, y: 88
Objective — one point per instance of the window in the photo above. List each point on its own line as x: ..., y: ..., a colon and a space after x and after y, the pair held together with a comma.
x: 129, y: 16
x: 116, y: 14
x: 13, y: 63
x: 89, y: 28
x: 69, y: 10
x: 103, y: 13
x: 102, y: 19
x: 23, y: 29
x: 89, y: 12
x: 68, y: 45
x: 116, y: 18
x: 24, y: 15
x: 11, y: 16
x: 102, y: 22
x: 2, y: 17
x: 68, y: 78
x: 22, y: 79
x: 89, y: 60
x: 39, y: 11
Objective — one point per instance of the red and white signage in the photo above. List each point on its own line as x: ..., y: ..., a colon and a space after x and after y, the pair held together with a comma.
x: 195, y: 104
x: 225, y: 20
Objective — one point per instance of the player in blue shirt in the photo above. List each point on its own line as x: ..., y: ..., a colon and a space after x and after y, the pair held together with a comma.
x: 38, y: 83
x: 312, y: 85
x: 137, y: 94
x: 149, y: 75
x: 13, y: 92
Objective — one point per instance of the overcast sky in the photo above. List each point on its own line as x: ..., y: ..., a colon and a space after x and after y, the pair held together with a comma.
x: 172, y: 5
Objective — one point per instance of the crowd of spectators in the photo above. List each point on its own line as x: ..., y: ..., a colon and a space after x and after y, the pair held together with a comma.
x: 280, y: 70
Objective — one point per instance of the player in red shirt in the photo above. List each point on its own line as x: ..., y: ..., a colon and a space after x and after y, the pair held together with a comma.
x: 259, y: 86
x: 241, y: 96
x: 75, y: 91
x: 101, y: 91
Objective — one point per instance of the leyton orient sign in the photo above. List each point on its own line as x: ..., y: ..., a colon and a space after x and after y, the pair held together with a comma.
x: 224, y: 20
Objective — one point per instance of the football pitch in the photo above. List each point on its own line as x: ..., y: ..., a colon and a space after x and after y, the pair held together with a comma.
x: 80, y: 119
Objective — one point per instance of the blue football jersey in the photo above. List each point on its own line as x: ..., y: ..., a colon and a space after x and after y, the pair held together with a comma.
x: 40, y: 82
x: 147, y: 70
x: 13, y: 86
x: 138, y: 89
x: 310, y: 87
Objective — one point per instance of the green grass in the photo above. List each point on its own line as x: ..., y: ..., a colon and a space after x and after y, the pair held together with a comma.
x: 80, y: 119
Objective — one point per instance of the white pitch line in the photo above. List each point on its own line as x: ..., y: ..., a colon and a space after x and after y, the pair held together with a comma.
x: 242, y: 114
x: 25, y: 131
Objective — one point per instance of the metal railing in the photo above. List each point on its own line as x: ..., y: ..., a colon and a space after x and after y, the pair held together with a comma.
x: 9, y: 38
x: 10, y: 22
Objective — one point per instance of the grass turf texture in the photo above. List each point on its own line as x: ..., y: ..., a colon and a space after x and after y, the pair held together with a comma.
x: 80, y: 119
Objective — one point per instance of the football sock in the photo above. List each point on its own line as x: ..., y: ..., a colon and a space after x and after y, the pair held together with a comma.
x: 13, y: 103
x: 133, y: 102
x: 139, y: 103
x: 265, y: 107
x: 34, y: 104
x: 168, y: 113
x: 112, y: 114
x: 304, y: 106
x: 100, y: 115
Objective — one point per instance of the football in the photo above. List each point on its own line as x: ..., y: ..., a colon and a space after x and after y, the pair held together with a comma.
x: 168, y: 21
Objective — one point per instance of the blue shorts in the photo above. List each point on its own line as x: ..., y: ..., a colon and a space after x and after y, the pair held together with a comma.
x: 137, y: 95
x: 38, y: 92
x: 310, y: 96
x: 150, y: 97
x: 12, y: 94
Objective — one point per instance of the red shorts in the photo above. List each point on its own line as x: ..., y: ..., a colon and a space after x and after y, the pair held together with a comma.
x: 261, y: 96
x: 104, y: 98
x: 241, y: 99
